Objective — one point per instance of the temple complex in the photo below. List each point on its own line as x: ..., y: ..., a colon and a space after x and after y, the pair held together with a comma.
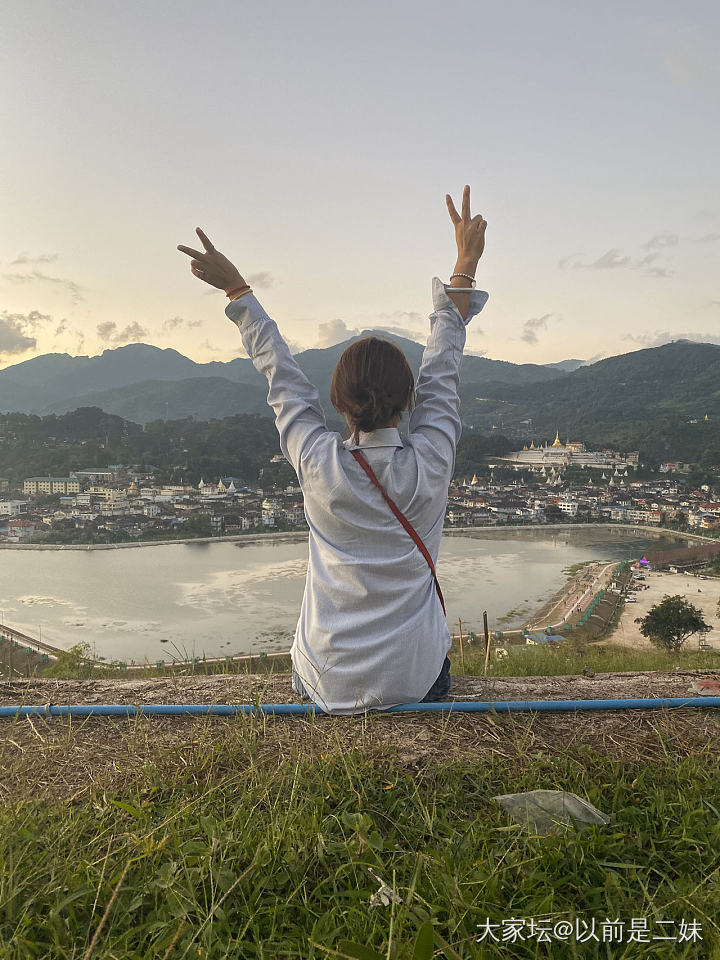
x: 557, y: 456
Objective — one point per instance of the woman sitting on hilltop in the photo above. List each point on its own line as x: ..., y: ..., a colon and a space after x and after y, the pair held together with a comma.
x: 372, y: 631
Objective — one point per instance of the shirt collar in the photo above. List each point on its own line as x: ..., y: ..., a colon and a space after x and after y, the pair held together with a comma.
x: 385, y: 437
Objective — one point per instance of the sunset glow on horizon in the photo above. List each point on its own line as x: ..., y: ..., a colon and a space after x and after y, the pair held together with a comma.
x: 315, y: 144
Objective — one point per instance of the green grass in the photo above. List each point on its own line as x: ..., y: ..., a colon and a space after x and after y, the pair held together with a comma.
x: 570, y: 659
x: 235, y: 854
x: 566, y: 659
x: 575, y: 568
x: 233, y: 843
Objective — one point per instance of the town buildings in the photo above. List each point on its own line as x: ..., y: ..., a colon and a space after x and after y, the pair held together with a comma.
x: 118, y: 502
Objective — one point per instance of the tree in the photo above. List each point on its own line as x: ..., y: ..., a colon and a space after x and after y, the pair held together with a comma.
x: 669, y: 623
x: 75, y: 662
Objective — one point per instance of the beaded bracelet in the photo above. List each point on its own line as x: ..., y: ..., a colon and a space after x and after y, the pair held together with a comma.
x: 246, y: 289
x: 467, y: 277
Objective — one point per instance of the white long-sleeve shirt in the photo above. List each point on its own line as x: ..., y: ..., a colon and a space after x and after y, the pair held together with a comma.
x: 371, y: 631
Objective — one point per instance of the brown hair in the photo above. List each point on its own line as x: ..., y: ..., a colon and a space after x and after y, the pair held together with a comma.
x: 372, y: 384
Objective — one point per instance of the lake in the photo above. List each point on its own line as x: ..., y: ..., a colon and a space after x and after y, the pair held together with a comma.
x: 190, y: 599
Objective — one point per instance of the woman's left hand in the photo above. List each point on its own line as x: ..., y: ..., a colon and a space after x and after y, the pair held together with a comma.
x: 212, y: 266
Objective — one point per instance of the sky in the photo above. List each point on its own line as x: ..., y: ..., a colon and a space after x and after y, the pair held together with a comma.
x: 314, y: 143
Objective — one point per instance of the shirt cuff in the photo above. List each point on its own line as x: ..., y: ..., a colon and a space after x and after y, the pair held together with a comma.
x: 245, y: 308
x: 441, y: 300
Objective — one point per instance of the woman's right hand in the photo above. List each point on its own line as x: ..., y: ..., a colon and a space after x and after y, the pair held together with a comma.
x: 469, y: 233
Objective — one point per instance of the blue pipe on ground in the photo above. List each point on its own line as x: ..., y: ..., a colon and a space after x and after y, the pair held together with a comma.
x: 456, y: 706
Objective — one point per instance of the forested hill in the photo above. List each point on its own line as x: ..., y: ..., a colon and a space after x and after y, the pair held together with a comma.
x: 182, y: 450
x: 653, y: 400
x: 645, y: 400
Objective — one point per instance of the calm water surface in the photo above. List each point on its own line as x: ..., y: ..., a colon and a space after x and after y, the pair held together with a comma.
x: 150, y: 603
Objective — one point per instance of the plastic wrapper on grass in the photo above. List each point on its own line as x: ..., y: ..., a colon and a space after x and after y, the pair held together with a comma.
x: 551, y: 811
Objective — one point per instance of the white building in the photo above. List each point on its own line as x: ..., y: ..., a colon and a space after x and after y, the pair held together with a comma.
x: 12, y: 508
x: 95, y: 475
x: 559, y: 454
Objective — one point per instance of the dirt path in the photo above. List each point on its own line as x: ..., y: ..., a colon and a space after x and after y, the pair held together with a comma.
x: 276, y: 688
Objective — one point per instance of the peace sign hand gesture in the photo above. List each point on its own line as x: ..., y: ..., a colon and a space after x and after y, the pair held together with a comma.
x: 212, y: 266
x: 469, y: 234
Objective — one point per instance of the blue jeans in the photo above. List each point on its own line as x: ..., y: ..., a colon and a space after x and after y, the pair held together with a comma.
x: 438, y: 691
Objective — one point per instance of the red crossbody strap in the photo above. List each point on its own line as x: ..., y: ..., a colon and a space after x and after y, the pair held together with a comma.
x: 401, y: 517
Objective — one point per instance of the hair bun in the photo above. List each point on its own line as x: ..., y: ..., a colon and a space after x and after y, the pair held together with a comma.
x: 372, y: 383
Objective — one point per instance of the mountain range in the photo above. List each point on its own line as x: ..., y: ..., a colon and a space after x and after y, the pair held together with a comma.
x: 143, y: 383
x: 664, y: 400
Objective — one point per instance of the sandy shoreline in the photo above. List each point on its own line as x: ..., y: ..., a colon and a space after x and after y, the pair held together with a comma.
x: 298, y: 535
x: 704, y: 594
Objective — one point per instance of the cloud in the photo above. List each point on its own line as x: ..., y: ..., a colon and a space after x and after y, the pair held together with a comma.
x: 109, y: 333
x: 210, y: 347
x: 13, y: 336
x: 566, y: 260
x: 660, y: 241
x: 32, y: 319
x: 411, y: 317
x: 293, y: 346
x: 660, y: 337
x: 334, y: 331
x: 653, y: 271
x: 531, y: 327
x: 608, y: 261
x: 708, y: 238
x: 263, y: 280
x: 406, y: 332
x: 174, y: 322
x: 404, y: 323
x: 106, y: 330
x: 42, y: 258
x: 615, y: 259
x: 598, y: 356
x: 35, y: 277
x: 61, y: 328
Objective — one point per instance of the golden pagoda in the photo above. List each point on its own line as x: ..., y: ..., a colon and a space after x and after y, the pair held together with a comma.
x: 474, y: 479
x: 707, y: 417
x: 556, y: 442
x: 532, y: 444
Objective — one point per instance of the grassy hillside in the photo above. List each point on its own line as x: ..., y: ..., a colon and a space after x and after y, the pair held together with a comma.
x: 268, y: 838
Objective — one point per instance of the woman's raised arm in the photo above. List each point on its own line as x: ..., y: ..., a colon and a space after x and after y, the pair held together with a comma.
x: 470, y: 239
x: 212, y: 266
